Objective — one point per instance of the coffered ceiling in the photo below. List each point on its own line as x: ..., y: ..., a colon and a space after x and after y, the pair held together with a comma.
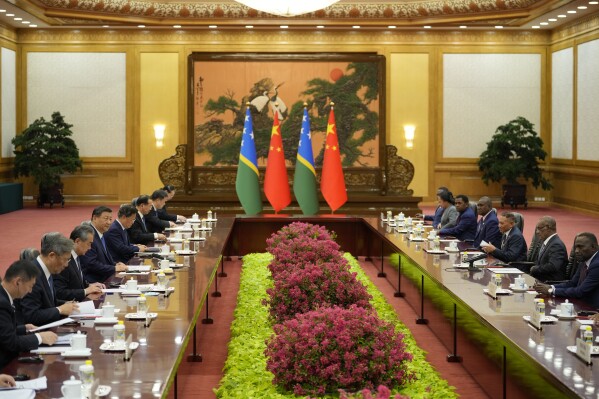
x: 346, y: 14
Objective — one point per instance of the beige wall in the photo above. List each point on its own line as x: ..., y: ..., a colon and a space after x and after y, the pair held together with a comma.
x: 157, y: 79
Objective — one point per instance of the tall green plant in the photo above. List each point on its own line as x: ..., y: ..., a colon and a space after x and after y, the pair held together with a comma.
x: 514, y: 153
x: 45, y: 150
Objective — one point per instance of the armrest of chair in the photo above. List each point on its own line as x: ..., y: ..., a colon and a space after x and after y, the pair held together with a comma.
x: 524, y: 266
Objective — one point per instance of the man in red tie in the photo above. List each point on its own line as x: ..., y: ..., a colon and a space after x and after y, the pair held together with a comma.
x: 585, y: 283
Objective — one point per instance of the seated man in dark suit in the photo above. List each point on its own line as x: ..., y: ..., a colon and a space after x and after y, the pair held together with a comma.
x: 488, y: 225
x: 117, y: 238
x: 163, y: 213
x: 41, y: 306
x: 436, y: 217
x: 139, y: 232
x: 552, y: 258
x: 513, y: 246
x: 153, y: 222
x: 18, y: 281
x: 585, y: 283
x: 97, y: 263
x: 465, y: 228
x: 70, y: 284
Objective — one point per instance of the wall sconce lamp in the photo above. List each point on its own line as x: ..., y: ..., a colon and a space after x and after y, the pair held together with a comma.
x: 159, y: 135
x: 409, y: 135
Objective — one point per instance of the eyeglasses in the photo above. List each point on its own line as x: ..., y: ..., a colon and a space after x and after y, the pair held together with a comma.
x: 539, y: 228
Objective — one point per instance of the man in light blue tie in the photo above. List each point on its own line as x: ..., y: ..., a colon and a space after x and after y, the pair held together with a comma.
x: 41, y: 306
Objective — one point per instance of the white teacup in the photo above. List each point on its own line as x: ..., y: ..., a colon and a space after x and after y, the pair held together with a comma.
x: 162, y: 280
x: 131, y: 285
x: 178, y: 235
x: 165, y: 248
x: 520, y: 283
x: 453, y: 244
x: 195, y: 216
x: 78, y: 341
x: 164, y: 263
x: 566, y: 309
x: 71, y: 389
x: 107, y: 310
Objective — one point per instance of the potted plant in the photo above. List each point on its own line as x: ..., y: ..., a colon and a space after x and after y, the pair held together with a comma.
x: 45, y: 150
x: 512, y: 157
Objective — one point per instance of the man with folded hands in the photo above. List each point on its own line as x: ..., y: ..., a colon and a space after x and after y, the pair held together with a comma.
x: 70, y: 284
x: 585, y: 283
x: 117, y: 238
x: 97, y: 263
x: 19, y: 279
x: 513, y: 245
x: 41, y: 306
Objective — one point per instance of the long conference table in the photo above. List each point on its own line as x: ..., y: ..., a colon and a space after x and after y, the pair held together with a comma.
x: 508, y: 357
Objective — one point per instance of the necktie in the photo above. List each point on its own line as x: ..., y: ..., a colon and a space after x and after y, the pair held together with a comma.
x: 79, y: 268
x: 143, y: 222
x: 583, y: 272
x: 541, y: 251
x: 108, y: 257
x: 503, y: 240
x: 480, y: 226
x: 51, y: 284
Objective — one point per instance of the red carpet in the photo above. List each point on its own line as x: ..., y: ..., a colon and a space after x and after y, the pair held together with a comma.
x: 24, y: 228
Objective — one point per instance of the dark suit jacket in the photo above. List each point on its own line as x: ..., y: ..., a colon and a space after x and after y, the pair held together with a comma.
x: 154, y: 223
x: 488, y: 230
x: 138, y: 232
x: 164, y: 215
x: 514, y: 249
x: 551, y: 261
x: 436, y: 218
x: 588, y: 290
x: 117, y: 241
x: 97, y: 264
x: 39, y: 306
x: 70, y: 284
x: 13, y: 338
x: 465, y: 227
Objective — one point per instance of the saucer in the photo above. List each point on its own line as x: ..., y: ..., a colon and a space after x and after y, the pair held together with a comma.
x: 135, y: 316
x: 211, y: 220
x: 111, y: 347
x: 106, y: 320
x: 454, y: 250
x: 130, y: 292
x: 158, y: 288
x: 103, y: 390
x: 436, y: 252
x: 205, y: 228
x: 500, y: 291
x: 546, y: 319
x: 516, y: 289
x: 77, y: 352
x: 175, y: 239
x: 566, y: 317
x: 177, y: 265
x: 197, y: 238
x: 194, y: 220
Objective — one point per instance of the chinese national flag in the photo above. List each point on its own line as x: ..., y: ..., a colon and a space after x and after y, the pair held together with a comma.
x: 332, y: 182
x: 276, y: 184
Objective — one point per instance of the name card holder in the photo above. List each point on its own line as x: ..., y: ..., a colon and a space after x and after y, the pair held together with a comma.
x: 535, y: 320
x: 583, y: 350
x: 492, y: 289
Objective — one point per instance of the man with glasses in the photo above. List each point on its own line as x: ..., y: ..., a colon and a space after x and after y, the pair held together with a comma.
x: 552, y: 259
x: 97, y: 264
x: 513, y: 245
x: 585, y: 283
x: 487, y: 228
x: 41, y: 306
x: 70, y: 284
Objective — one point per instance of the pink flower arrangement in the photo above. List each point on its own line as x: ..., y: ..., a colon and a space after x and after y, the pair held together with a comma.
x: 327, y: 349
x: 298, y: 230
x: 299, y: 251
x: 315, y: 285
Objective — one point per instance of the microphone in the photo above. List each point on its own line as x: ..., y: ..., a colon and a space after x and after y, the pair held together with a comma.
x: 474, y: 259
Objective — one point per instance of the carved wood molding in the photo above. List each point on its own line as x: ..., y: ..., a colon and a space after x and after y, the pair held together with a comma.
x: 172, y: 170
x: 399, y: 173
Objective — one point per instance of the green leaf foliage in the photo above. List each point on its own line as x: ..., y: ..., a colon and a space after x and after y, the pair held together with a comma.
x: 245, y: 374
x: 513, y: 153
x: 45, y: 150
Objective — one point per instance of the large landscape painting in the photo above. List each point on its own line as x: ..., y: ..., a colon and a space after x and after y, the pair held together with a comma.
x: 222, y: 84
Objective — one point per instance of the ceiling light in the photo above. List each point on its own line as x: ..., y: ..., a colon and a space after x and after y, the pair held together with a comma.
x: 562, y: 16
x: 18, y: 19
x: 176, y: 26
x: 287, y: 8
x: 2, y: 10
x: 284, y: 26
x: 536, y: 27
x: 572, y: 12
x: 10, y: 15
x: 582, y: 7
x: 356, y: 26
x: 25, y: 22
x: 105, y: 26
x: 498, y: 27
x: 463, y: 27
x: 427, y: 26
x: 320, y: 26
x: 249, y: 26
x: 213, y: 26
x: 391, y: 26
x: 593, y: 2
x: 544, y: 23
x: 552, y: 19
x: 141, y: 26
x: 33, y: 26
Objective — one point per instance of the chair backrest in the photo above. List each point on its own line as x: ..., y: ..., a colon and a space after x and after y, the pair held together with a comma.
x: 519, y: 220
x: 534, y: 248
x: 473, y: 206
x: 572, y: 265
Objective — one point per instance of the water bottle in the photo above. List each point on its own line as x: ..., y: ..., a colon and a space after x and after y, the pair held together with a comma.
x: 436, y: 244
x: 142, y: 305
x: 541, y: 308
x: 119, y: 333
x: 498, y: 283
x: 587, y: 335
x: 86, y: 374
x: 209, y: 215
